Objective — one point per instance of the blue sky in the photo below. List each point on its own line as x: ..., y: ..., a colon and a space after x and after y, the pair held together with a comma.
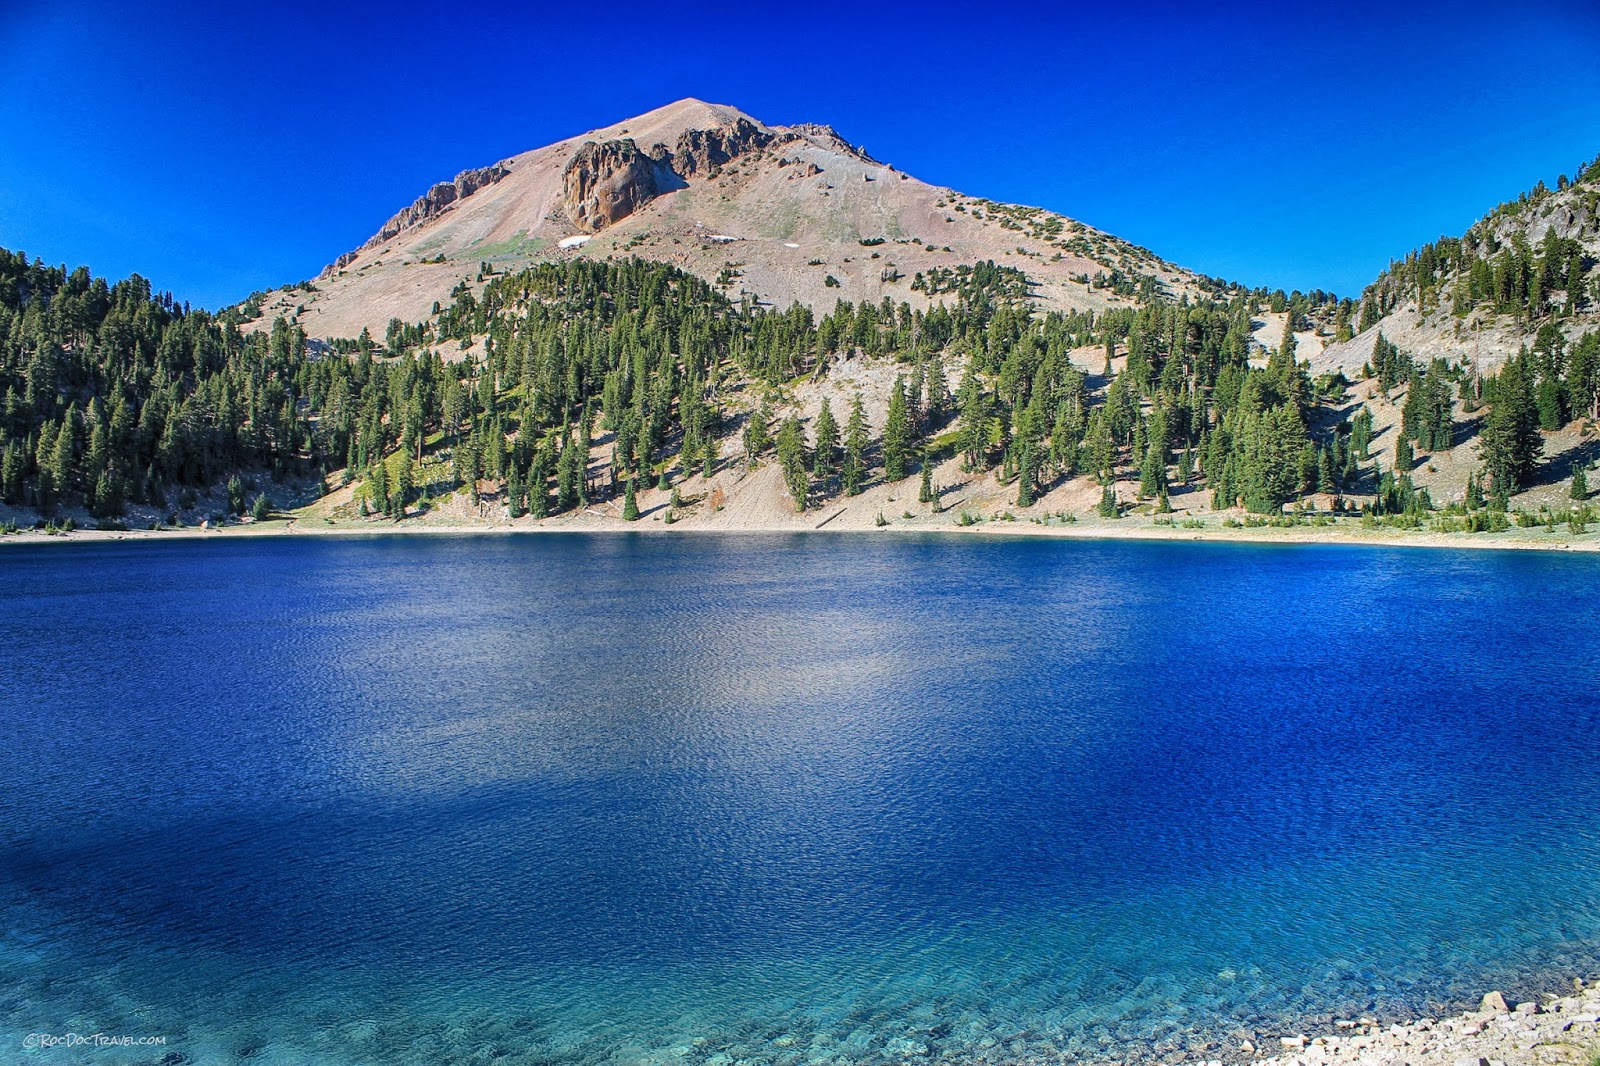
x: 1272, y: 145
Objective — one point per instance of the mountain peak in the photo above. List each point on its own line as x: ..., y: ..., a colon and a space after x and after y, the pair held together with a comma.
x: 780, y: 213
x: 665, y: 124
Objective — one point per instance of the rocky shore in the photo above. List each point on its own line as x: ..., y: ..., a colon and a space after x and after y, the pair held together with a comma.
x: 1556, y: 1031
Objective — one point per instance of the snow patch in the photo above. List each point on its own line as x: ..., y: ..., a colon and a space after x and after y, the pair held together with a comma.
x: 574, y: 242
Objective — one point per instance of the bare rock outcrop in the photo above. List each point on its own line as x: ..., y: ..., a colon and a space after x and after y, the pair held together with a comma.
x: 701, y: 151
x: 425, y: 207
x: 607, y: 181
x: 437, y: 199
x: 825, y: 136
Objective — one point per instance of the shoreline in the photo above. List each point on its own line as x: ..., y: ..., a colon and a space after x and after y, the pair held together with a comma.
x: 1535, y: 540
x: 1547, y: 1030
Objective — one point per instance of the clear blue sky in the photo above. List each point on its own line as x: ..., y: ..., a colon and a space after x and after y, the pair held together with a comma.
x: 217, y: 155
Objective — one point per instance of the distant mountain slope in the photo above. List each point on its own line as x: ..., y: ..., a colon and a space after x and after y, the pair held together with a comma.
x: 1526, y: 267
x: 784, y: 213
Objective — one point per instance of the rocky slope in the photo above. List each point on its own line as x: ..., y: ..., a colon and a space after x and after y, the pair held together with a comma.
x: 783, y: 213
x: 1426, y: 301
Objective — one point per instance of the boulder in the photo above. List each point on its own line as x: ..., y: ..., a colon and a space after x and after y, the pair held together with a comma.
x: 1494, y: 1003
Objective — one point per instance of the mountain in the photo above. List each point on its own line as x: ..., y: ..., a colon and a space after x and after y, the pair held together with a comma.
x: 784, y: 213
x: 693, y: 317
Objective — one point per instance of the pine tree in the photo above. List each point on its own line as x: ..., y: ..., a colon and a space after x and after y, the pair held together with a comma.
x: 404, y: 482
x: 568, y: 476
x: 854, y: 471
x: 1361, y: 433
x: 538, y: 493
x: 1404, y: 458
x: 378, y: 487
x: 1580, y: 484
x: 792, y: 460
x: 925, y: 493
x: 1153, y: 471
x: 630, y: 503
x: 1108, y: 502
x: 897, y: 433
x: 1327, y: 480
x: 938, y: 401
x: 826, y: 455
x: 973, y: 438
x: 757, y: 439
x: 1027, y: 470
x: 1509, y: 443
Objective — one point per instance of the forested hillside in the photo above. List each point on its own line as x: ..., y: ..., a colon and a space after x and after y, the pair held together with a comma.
x: 544, y: 391
x: 1529, y: 262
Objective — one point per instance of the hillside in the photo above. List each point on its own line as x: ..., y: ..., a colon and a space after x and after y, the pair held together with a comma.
x: 784, y: 213
x: 1524, y: 269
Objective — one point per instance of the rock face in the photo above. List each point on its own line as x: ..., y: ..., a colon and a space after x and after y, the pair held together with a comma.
x: 701, y: 151
x: 438, y: 198
x: 425, y: 207
x: 608, y: 181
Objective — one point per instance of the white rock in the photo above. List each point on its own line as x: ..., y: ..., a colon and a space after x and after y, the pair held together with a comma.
x: 1495, y: 1003
x: 1292, y: 1041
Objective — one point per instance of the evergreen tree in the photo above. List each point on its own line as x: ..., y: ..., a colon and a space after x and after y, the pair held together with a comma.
x: 630, y: 503
x: 826, y: 455
x: 854, y: 471
x: 792, y: 460
x: 1027, y: 471
x: 378, y: 488
x: 897, y: 433
x: 938, y: 401
x: 1327, y: 479
x: 404, y: 483
x: 1361, y: 434
x: 1153, y: 471
x: 756, y: 436
x: 1509, y: 443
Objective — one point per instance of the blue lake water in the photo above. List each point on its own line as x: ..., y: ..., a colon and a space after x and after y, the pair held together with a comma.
x: 786, y: 799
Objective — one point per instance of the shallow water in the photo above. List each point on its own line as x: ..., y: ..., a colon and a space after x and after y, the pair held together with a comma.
x: 788, y: 799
